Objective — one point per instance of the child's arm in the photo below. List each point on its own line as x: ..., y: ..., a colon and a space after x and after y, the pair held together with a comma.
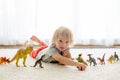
x: 68, y: 61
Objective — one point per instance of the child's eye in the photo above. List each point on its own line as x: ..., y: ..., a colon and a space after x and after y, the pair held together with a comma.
x: 60, y: 40
x: 66, y: 41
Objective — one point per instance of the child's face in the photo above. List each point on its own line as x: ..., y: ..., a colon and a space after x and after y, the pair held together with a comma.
x: 62, y: 43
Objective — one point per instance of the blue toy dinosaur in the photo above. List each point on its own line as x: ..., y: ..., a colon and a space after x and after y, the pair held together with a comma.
x: 92, y: 60
x: 116, y: 57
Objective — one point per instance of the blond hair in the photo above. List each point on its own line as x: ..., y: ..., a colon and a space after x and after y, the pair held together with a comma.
x: 64, y: 31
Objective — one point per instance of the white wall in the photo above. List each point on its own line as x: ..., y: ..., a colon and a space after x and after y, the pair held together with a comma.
x: 90, y: 20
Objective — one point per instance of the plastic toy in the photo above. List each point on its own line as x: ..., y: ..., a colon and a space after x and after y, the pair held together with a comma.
x: 80, y: 59
x: 116, y: 57
x: 39, y: 62
x: 4, y: 60
x: 91, y: 60
x: 102, y: 60
x: 111, y: 59
x: 22, y: 54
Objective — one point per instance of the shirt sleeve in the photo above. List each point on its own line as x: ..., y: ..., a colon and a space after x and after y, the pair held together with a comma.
x: 49, y: 53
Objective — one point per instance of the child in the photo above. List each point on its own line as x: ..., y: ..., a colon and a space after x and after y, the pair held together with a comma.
x: 59, y: 49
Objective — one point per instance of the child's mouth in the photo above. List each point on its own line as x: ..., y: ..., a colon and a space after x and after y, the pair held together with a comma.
x: 62, y: 48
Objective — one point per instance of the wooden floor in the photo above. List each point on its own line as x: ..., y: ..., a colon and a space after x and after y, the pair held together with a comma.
x: 74, y: 46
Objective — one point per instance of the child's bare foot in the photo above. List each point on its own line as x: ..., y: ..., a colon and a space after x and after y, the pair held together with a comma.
x: 25, y: 44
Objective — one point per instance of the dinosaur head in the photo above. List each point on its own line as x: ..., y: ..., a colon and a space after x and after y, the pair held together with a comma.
x: 98, y: 58
x: 80, y: 54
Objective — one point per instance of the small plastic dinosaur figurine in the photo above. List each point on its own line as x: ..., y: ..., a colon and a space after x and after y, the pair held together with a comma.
x: 111, y: 59
x: 22, y: 54
x: 39, y: 61
x: 80, y: 59
x: 116, y: 57
x: 4, y: 60
x: 92, y: 60
x: 102, y: 60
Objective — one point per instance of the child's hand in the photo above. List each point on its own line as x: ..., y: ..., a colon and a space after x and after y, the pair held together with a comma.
x: 85, y: 63
x: 81, y: 67
x: 67, y: 54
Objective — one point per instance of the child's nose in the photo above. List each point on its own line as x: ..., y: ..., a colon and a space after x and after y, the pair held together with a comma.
x: 64, y: 45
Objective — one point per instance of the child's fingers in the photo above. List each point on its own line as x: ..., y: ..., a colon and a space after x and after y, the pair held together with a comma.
x: 80, y: 68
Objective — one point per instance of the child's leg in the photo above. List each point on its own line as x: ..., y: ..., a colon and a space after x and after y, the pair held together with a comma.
x: 25, y: 43
x: 34, y: 53
x: 41, y: 43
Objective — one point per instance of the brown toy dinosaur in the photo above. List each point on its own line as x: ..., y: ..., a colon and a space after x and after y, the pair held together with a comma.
x: 102, y: 60
x: 22, y: 54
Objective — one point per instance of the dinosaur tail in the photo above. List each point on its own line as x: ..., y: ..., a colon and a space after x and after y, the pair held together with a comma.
x: 12, y: 59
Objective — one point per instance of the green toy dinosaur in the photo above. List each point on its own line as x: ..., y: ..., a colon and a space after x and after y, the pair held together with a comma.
x: 80, y: 59
x: 22, y: 54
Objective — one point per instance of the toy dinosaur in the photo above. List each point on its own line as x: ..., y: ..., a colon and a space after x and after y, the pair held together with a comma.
x: 4, y: 60
x: 80, y: 59
x: 116, y: 57
x: 111, y: 59
x: 39, y: 62
x: 92, y: 60
x: 102, y: 60
x: 22, y: 54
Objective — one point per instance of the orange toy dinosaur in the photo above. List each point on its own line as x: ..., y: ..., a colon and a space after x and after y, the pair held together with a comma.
x: 4, y: 60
